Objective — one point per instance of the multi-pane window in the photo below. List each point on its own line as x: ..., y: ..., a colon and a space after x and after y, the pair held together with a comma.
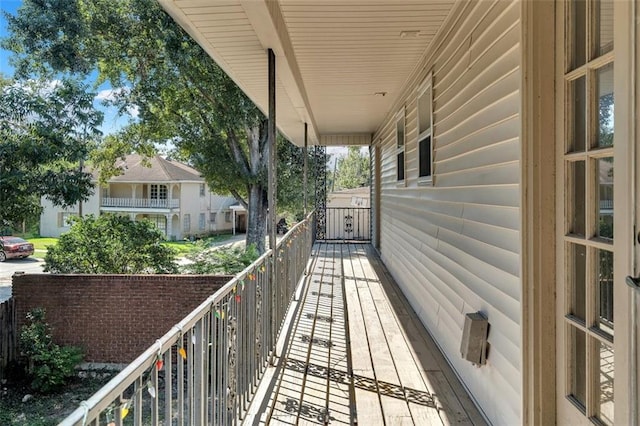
x: 158, y: 192
x: 425, y: 144
x: 400, y: 142
x: 588, y: 237
x: 202, y: 189
x: 186, y: 225
x: 227, y: 217
x: 64, y: 219
x: 201, y: 222
x: 213, y: 217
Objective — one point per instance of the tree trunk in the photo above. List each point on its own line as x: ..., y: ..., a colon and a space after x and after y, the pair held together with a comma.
x: 257, y: 217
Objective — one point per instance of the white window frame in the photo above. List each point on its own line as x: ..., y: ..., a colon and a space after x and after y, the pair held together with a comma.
x: 202, y: 190
x: 64, y: 219
x: 213, y: 217
x: 186, y: 223
x: 426, y: 86
x: 202, y: 222
x: 401, y: 119
x: 227, y: 217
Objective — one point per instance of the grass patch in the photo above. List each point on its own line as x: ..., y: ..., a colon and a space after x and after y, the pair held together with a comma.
x: 183, y: 248
x: 41, y: 243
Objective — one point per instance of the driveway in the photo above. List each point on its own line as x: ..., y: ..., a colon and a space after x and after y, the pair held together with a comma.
x: 30, y: 265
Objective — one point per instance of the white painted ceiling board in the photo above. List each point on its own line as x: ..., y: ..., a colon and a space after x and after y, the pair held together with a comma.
x: 332, y: 56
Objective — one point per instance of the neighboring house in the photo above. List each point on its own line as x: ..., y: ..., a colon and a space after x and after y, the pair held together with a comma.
x: 170, y: 194
x: 488, y: 123
x: 354, y: 198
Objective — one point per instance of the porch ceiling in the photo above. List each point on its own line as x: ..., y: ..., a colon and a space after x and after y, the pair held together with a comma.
x: 335, y: 58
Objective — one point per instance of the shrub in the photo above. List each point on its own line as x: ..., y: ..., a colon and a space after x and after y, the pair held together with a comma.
x: 48, y: 364
x: 110, y: 244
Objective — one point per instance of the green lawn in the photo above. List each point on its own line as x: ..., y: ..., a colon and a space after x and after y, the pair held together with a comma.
x: 40, y: 245
x: 181, y: 247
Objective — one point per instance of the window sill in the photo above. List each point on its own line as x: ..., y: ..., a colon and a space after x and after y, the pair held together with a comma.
x: 401, y: 183
x: 425, y: 181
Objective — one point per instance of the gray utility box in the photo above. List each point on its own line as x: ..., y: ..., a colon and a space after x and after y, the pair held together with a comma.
x: 474, y: 338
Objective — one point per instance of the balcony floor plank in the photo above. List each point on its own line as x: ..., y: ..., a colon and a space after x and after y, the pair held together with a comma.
x: 357, y: 353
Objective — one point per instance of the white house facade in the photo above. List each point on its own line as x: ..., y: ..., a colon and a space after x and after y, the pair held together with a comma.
x: 170, y: 194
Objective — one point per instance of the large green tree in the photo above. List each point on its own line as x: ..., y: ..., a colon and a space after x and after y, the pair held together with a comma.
x: 46, y: 129
x: 180, y: 93
x: 352, y: 171
x: 110, y: 244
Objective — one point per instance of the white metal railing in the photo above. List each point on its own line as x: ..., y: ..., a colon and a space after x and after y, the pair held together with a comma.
x: 206, y: 369
x: 140, y: 203
x: 606, y: 204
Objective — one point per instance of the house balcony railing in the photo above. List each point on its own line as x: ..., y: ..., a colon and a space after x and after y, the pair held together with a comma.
x: 207, y: 368
x: 145, y: 203
x: 347, y: 224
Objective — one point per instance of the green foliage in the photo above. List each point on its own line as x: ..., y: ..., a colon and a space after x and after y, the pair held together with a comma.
x: 222, y: 260
x: 291, y: 180
x: 49, y: 365
x: 352, y: 171
x: 156, y: 68
x: 46, y: 129
x: 110, y: 244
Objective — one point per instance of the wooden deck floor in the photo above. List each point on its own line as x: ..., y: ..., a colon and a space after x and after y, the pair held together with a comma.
x: 357, y: 354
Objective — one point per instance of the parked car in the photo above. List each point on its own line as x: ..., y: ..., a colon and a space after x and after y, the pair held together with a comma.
x: 14, y: 248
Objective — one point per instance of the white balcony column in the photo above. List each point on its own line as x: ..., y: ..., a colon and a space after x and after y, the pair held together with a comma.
x: 168, y: 229
x: 134, y: 187
x: 233, y: 222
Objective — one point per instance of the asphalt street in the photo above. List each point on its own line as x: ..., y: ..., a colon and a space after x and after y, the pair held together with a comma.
x: 30, y: 265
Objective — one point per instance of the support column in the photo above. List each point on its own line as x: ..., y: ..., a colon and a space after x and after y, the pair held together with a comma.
x: 271, y: 132
x: 233, y: 222
x: 168, y: 230
x: 304, y: 151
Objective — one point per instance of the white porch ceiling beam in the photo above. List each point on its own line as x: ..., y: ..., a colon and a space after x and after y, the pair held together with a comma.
x: 266, y: 20
x: 273, y: 34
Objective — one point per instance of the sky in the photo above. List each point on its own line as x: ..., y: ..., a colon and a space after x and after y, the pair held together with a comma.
x: 112, y: 120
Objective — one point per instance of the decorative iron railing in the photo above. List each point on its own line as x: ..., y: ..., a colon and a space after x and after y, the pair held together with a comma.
x: 348, y: 223
x: 207, y: 368
x: 144, y: 203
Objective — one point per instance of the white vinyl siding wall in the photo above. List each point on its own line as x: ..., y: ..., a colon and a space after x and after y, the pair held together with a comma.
x: 454, y: 248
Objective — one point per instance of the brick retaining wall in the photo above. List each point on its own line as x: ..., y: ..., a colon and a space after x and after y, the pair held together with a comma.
x: 113, y: 317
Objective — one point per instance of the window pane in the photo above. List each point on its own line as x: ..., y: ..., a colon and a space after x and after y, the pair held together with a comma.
x: 577, y: 95
x: 578, y: 366
x: 604, y: 27
x: 401, y: 166
x: 424, y: 111
x: 578, y: 280
x: 578, y: 34
x: 605, y: 400
x: 605, y: 291
x: 425, y: 156
x: 605, y: 105
x: 400, y: 133
x: 605, y: 197
x: 577, y: 202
